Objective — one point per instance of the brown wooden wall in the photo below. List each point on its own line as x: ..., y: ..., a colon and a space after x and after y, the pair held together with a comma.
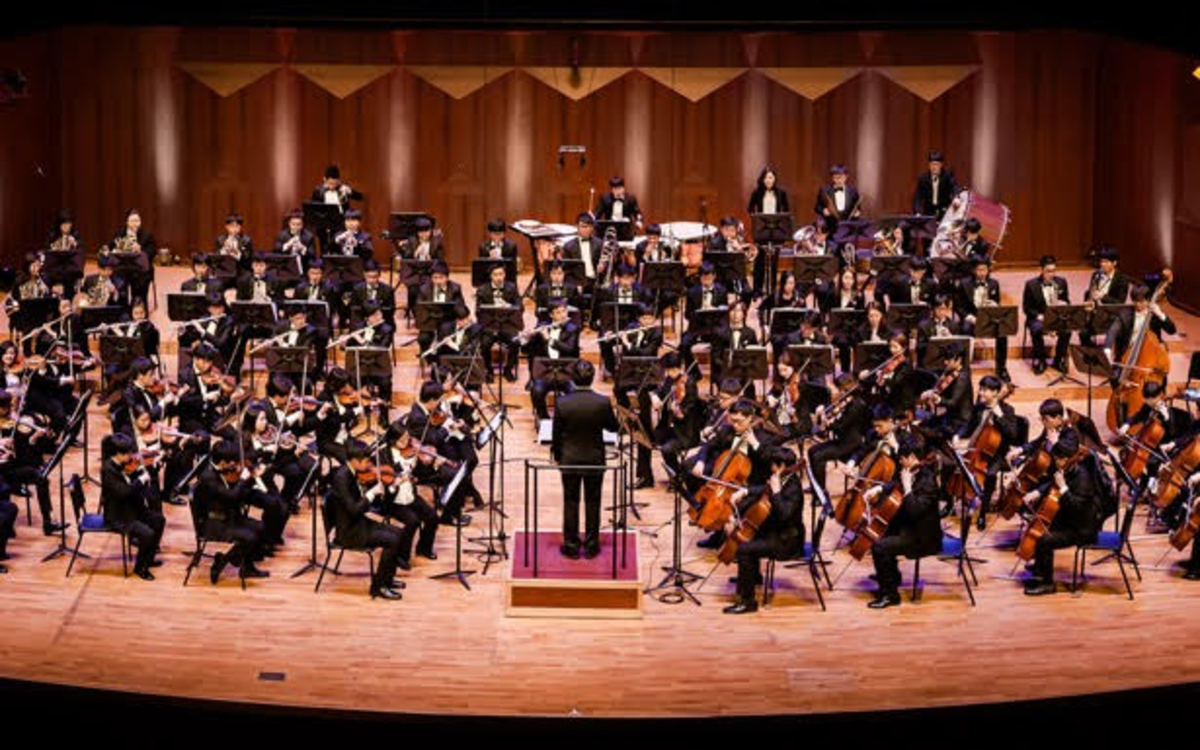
x: 1052, y: 123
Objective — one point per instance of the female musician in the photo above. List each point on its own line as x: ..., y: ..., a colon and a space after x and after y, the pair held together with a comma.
x: 841, y: 294
x: 31, y: 282
x: 416, y: 467
x: 137, y: 324
x: 266, y: 458
x: 768, y: 197
x: 294, y: 239
x: 16, y: 370
x: 786, y: 400
x: 63, y: 240
x: 123, y: 498
x: 151, y: 452
x: 31, y: 440
x: 782, y: 534
x: 915, y: 530
x: 134, y: 238
x: 788, y: 296
x: 52, y: 386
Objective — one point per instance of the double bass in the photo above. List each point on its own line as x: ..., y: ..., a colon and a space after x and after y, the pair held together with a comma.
x: 1146, y: 359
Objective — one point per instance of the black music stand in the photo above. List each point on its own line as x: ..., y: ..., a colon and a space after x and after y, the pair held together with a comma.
x: 1063, y: 320
x: 403, y: 224
x: 748, y: 363
x: 34, y: 312
x: 223, y: 267
x: 769, y: 232
x: 815, y: 360
x: 507, y: 320
x: 854, y: 231
x: 289, y: 359
x: 447, y: 493
x: 285, y: 267
x: 121, y: 350
x: 890, y: 265
x: 323, y: 219
x: 317, y: 311
x: 77, y: 420
x: 996, y: 321
x: 1103, y: 315
x: 1092, y: 361
x: 845, y: 320
x: 809, y: 269
x: 614, y: 315
x: 481, y: 270
x: 574, y: 270
x: 554, y: 371
x: 467, y: 369
x: 706, y: 321
x: 630, y: 426
x: 184, y: 306
x: 660, y: 276
x: 939, y: 346
x: 430, y: 315
x: 948, y: 269
x: 343, y: 269
x: 870, y: 354
x: 414, y: 272
x: 63, y: 264
x: 130, y: 264
x: 369, y: 362
x: 91, y: 317
x: 636, y: 372
x: 623, y: 227
x: 906, y: 317
x: 727, y: 265
x: 787, y: 319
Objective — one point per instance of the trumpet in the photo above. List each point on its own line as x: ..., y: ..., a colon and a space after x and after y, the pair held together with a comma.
x: 627, y: 332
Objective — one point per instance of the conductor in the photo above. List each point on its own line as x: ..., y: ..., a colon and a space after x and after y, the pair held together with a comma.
x: 580, y: 418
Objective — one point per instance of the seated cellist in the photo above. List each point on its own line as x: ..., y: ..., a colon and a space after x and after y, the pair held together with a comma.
x: 1004, y: 418
x: 1175, y: 422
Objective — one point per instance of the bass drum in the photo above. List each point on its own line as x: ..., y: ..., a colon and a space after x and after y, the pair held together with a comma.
x: 993, y: 218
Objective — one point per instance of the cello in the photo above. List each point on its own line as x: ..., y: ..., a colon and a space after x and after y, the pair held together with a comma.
x: 1147, y: 358
x: 751, y: 522
x: 872, y: 529
x: 1045, y: 512
x: 878, y: 468
x: 1141, y: 447
x: 1029, y: 476
x: 982, y: 447
x: 711, y: 508
x: 1171, y: 476
x: 1187, y: 531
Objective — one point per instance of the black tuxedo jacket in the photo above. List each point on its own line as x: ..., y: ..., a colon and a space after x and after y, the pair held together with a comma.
x: 211, y: 284
x: 121, y: 495
x: 1118, y: 290
x: 306, y: 238
x: 756, y: 201
x: 918, y: 514
x: 966, y: 294
x: 923, y: 196
x: 1033, y: 302
x: 580, y: 418
x: 605, y: 208
x: 245, y: 287
x: 900, y: 290
x: 508, y: 249
x: 852, y: 198
x: 506, y: 295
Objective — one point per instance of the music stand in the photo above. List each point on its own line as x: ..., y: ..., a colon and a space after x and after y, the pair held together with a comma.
x: 289, y: 359
x: 91, y: 317
x: 938, y: 346
x: 481, y: 270
x: 467, y: 369
x: 1093, y: 361
x: 660, y: 276
x: 946, y: 268
x: 442, y: 501
x: 636, y: 372
x: 816, y: 360
x: 1102, y: 317
x: 996, y: 321
x: 890, y: 265
x: 906, y: 317
x: 787, y: 319
x: 870, y: 354
x: 285, y: 267
x: 575, y: 271
x: 60, y: 264
x: 322, y: 219
x: 130, y: 264
x: 853, y: 231
x: 430, y: 315
x: 343, y: 269
x: 34, y: 312
x: 809, y: 269
x: 845, y: 320
x: 403, y: 224
x: 705, y: 321
x: 184, y: 306
x: 624, y: 229
x: 259, y: 314
x: 121, y: 350
x: 748, y: 363
x: 506, y: 320
x: 555, y: 371
x: 727, y: 264
x: 772, y: 229
x: 1063, y: 320
x: 369, y: 362
x: 613, y: 315
x: 223, y: 267
x: 317, y: 311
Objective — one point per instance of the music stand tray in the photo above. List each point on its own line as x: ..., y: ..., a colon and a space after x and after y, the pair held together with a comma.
x: 343, y: 269
x: 556, y: 371
x: 508, y: 321
x: 624, y: 229
x: 870, y: 354
x: 481, y: 270
x: 815, y: 360
x: 935, y: 350
x: 727, y: 264
x: 36, y: 311
x: 1062, y: 319
x: 369, y: 362
x: 130, y: 264
x: 247, y: 313
x: 403, y: 224
x: 96, y: 316
x: 633, y: 372
x: 630, y: 424
x: 1091, y: 360
x: 996, y: 321
x: 617, y: 314
x: 667, y: 275
x: 845, y: 320
x: 322, y: 218
x: 1102, y: 317
x: 748, y: 363
x: 430, y: 315
x: 458, y: 364
x: 183, y: 306
x: 787, y: 319
x: 772, y: 229
x: 289, y: 359
x: 316, y: 310
x: 905, y: 317
x: 574, y: 271
x: 948, y: 268
x: 705, y: 321
x: 121, y: 350
x: 415, y: 272
x: 890, y: 265
x: 810, y: 269
x: 285, y: 267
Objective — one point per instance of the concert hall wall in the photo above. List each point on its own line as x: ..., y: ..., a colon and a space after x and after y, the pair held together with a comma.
x: 1059, y: 125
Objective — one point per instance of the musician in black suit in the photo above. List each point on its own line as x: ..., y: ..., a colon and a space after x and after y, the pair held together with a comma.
x: 63, y: 239
x: 497, y: 245
x: 123, y: 500
x: 439, y: 288
x: 314, y: 287
x: 558, y: 340
x: 679, y: 421
x: 974, y: 245
x: 706, y: 295
x: 845, y: 431
x: 297, y: 332
x: 294, y: 239
x: 220, y: 332
x: 333, y: 191
x: 137, y: 238
x: 768, y: 197
x: 1041, y: 292
x: 915, y: 530
x: 981, y: 290
x: 234, y: 242
x: 142, y: 373
x: 352, y: 500
x: 944, y: 322
x: 947, y: 411
x: 936, y: 188
x: 640, y: 338
x: 740, y: 336
x: 222, y: 504
x: 374, y: 331
x: 105, y: 288
x: 992, y: 409
x: 918, y: 285
x: 557, y: 287
x: 28, y: 459
x: 580, y: 419
x: 839, y: 200
x: 352, y: 240
x: 586, y: 247
x: 372, y: 289
x: 200, y: 404
x: 625, y: 291
x: 618, y: 204
x: 260, y: 285
x: 1125, y: 327
x: 498, y: 292
x: 202, y: 281
x: 1107, y: 286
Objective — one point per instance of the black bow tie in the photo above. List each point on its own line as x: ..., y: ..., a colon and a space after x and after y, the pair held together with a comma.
x: 980, y: 284
x: 837, y: 189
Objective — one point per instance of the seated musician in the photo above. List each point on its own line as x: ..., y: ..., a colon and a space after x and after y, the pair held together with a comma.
x: 137, y: 324
x: 1107, y: 286
x: 1079, y: 517
x: 63, y: 239
x: 641, y: 338
x: 787, y: 296
x: 497, y: 245
x: 946, y: 408
x: 1043, y: 291
x: 123, y: 499
x: 559, y: 340
x: 51, y: 388
x: 235, y: 243
x: 432, y: 420
x: 338, y: 416
x: 30, y: 283
x: 32, y: 441
x: 169, y: 458
x: 1176, y: 423
x: 810, y: 333
x: 332, y: 190
x: 625, y: 291
x: 134, y: 239
x: 427, y: 244
x: 739, y: 435
x: 223, y: 494
x: 981, y: 290
x: 845, y: 421
x: 997, y: 412
x: 557, y: 287
x: 104, y: 288
x: 974, y: 245
x: 915, y: 530
x: 267, y: 459
x: 936, y: 188
x: 874, y: 328
x: 373, y: 331
x: 464, y: 339
x: 416, y: 468
x: 294, y: 239
x: 352, y: 491
x: 203, y: 401
x: 676, y: 402
x: 741, y: 336
x: 786, y: 400
x: 652, y: 249
x: 259, y: 285
x: 202, y: 281
x: 586, y: 247
x: 918, y: 285
x: 839, y: 200
x: 841, y: 293
x: 499, y: 292
x: 297, y: 333
x: 352, y: 240
x: 142, y: 391
x: 942, y: 323
x: 780, y: 537
x: 1126, y: 326
x: 219, y: 332
x: 297, y: 417
x: 438, y: 289
x: 372, y: 289
x: 707, y: 295
x: 148, y: 443
x: 726, y: 239
x: 314, y: 287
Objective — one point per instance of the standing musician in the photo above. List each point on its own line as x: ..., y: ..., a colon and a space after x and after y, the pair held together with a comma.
x: 846, y: 420
x: 333, y: 191
x: 294, y: 239
x: 838, y: 201
x: 64, y: 239
x: 235, y: 243
x: 1108, y: 286
x: 1000, y: 413
x: 944, y: 322
x: 981, y: 290
x: 497, y: 245
x: 499, y: 292
x: 707, y: 295
x: 580, y: 419
x: 585, y: 247
x: 618, y: 204
x: 782, y: 534
x: 558, y: 340
x: 123, y: 502
x: 557, y: 287
x: 439, y: 289
x: 1079, y: 516
x: 677, y: 405
x: 768, y: 197
x: 1043, y: 291
x: 641, y: 338
x: 1125, y: 326
x: 223, y: 493
x: 202, y: 281
x: 31, y: 440
x: 353, y: 488
x: 936, y: 188
x: 915, y: 530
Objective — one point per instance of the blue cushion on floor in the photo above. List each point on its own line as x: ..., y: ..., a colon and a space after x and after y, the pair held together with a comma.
x: 93, y: 522
x: 951, y: 546
x: 1108, y: 540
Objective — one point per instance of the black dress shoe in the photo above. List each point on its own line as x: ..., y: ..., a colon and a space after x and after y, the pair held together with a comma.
x: 156, y: 564
x: 1192, y: 575
x: 52, y: 528
x: 1040, y: 588
x: 397, y: 584
x: 430, y: 555
x: 883, y: 601
x: 403, y: 564
x: 571, y: 552
x: 591, y: 552
x: 387, y: 593
x: 1002, y: 373
x: 981, y: 522
x: 1039, y: 367
x: 741, y: 608
x: 217, y: 567
x: 254, y: 572
x: 463, y: 520
x: 144, y: 574
x: 510, y: 375
x: 174, y: 500
x: 1061, y: 366
x: 712, y: 541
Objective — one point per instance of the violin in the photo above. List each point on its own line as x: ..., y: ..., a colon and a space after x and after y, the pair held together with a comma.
x: 1146, y: 359
x: 307, y: 403
x: 416, y: 448
x: 384, y: 474
x: 233, y: 472
x: 227, y: 383
x: 949, y: 375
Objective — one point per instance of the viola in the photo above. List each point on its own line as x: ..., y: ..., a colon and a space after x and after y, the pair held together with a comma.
x: 1173, y: 475
x: 307, y: 403
x: 1146, y: 359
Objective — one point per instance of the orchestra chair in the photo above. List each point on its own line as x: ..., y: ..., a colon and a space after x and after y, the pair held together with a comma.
x: 24, y: 492
x: 954, y: 549
x: 1116, y: 544
x: 92, y: 523
x: 1193, y: 374
x: 331, y: 543
x: 202, y: 541
x: 809, y: 556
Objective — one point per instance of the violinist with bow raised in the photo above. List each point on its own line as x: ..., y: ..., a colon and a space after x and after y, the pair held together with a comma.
x: 674, y: 412
x: 205, y: 393
x: 845, y: 421
x: 222, y: 494
x: 145, y: 390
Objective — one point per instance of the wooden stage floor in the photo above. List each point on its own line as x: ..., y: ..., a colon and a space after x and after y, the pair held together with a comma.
x: 446, y: 650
